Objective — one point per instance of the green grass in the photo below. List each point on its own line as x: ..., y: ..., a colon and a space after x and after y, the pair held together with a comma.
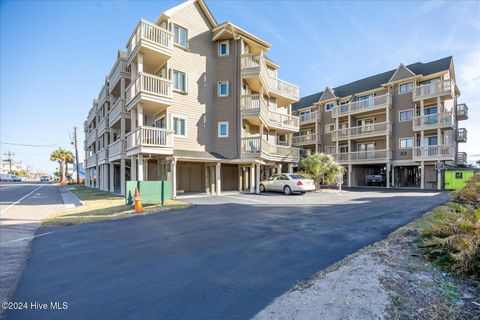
x: 450, y: 291
x: 100, y: 205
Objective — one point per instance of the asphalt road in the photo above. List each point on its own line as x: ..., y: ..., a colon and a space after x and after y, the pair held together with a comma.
x: 225, y: 258
x: 22, y: 206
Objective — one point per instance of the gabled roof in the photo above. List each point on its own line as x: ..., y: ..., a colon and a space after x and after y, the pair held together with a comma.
x: 402, y: 72
x: 377, y: 80
x: 234, y: 29
x: 202, y: 5
x: 328, y: 93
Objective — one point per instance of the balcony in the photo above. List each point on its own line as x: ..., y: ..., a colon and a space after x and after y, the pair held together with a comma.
x: 367, y: 131
x: 255, y: 73
x: 103, y: 125
x: 433, y: 153
x: 254, y: 107
x: 462, y: 111
x: 117, y: 112
x: 311, y: 117
x: 462, y: 158
x: 119, y: 70
x: 254, y: 147
x: 91, y: 161
x: 433, y: 90
x: 434, y: 121
x: 116, y: 150
x: 91, y: 115
x: 150, y: 140
x: 92, y: 136
x: 375, y: 103
x: 369, y: 156
x: 102, y: 156
x: 305, y: 139
x: 103, y: 96
x: 462, y: 135
x: 154, y: 42
x: 152, y: 91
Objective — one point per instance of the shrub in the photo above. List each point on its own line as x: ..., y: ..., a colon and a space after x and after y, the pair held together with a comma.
x: 451, y: 236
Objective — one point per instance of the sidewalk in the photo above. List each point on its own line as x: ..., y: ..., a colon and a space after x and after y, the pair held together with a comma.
x: 70, y: 200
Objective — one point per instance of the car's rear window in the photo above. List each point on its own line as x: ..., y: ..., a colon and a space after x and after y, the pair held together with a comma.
x: 296, y: 176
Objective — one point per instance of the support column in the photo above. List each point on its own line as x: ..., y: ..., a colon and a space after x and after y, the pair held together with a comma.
x: 393, y: 176
x: 439, y: 179
x: 218, y: 178
x: 112, y: 174
x: 290, y: 168
x: 349, y: 175
x: 279, y: 168
x: 133, y: 168
x: 422, y: 175
x: 388, y: 175
x: 252, y: 178
x: 140, y: 168
x: 122, y: 176
x: 174, y: 178
x: 240, y: 179
x: 257, y: 178
x: 97, y: 177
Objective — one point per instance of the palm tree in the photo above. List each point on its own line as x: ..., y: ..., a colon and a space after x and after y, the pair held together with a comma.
x: 322, y: 168
x: 62, y: 157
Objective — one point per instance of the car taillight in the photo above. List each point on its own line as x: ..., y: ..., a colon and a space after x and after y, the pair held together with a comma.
x: 299, y: 183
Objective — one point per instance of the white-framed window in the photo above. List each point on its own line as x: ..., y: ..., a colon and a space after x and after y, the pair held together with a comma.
x: 329, y: 149
x: 405, y: 87
x: 222, y: 89
x: 179, y: 81
x: 329, y: 106
x: 224, y: 48
x: 405, y: 115
x: 329, y: 128
x: 406, y: 143
x: 179, y: 126
x: 180, y: 36
x: 223, y: 129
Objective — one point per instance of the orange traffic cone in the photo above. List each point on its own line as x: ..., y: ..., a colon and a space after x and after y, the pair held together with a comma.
x: 138, y: 203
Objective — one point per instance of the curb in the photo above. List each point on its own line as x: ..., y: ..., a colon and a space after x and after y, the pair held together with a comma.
x: 70, y: 200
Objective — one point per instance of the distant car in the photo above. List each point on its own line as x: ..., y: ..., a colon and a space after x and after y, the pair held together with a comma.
x: 16, y: 179
x: 287, y: 183
x: 44, y: 178
x: 6, y: 177
x: 375, y: 179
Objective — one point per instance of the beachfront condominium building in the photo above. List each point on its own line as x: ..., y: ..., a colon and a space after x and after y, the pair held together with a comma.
x: 193, y: 102
x: 397, y: 128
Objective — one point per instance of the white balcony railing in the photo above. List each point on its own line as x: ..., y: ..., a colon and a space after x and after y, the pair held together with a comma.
x: 103, y: 125
x: 440, y: 152
x: 91, y: 115
x: 363, y: 156
x: 149, y: 84
x: 309, y: 117
x: 91, y: 161
x: 462, y: 135
x: 150, y: 137
x: 256, y: 146
x: 255, y: 105
x: 119, y: 69
x: 431, y: 121
x: 153, y: 35
x: 309, y: 138
x: 376, y: 102
x: 434, y: 89
x: 116, y: 148
x: 363, y: 131
x: 103, y: 155
x: 92, y: 136
x: 284, y: 88
x: 462, y: 158
x: 462, y: 111
x: 102, y: 96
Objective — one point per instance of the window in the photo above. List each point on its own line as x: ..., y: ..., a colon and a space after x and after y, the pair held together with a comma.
x: 179, y: 126
x: 329, y: 150
x: 365, y: 147
x: 223, y: 48
x: 406, y: 115
x: 406, y: 143
x: 179, y: 81
x: 222, y: 90
x: 329, y: 106
x: 329, y: 128
x: 223, y: 129
x: 180, y: 36
x: 459, y: 175
x: 405, y: 87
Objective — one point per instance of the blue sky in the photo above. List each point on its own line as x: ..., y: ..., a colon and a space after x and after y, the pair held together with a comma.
x: 55, y: 55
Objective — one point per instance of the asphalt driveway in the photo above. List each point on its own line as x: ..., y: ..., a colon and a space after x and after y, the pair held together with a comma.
x: 225, y: 258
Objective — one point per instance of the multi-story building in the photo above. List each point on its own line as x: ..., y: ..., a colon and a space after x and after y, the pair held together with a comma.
x: 401, y: 124
x: 194, y: 102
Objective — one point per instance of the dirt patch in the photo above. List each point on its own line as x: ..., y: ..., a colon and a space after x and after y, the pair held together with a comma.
x: 390, y: 279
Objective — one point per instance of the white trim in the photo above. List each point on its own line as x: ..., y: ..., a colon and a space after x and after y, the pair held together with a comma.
x: 400, y: 118
x: 401, y: 84
x: 227, y: 42
x: 172, y: 116
x: 186, y: 82
x: 404, y: 138
x: 398, y: 68
x: 328, y: 125
x: 219, y: 125
x: 186, y: 36
x: 328, y: 110
x: 219, y: 84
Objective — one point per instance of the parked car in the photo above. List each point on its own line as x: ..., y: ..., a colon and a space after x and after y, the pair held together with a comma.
x: 6, y: 177
x: 375, y: 179
x: 16, y: 179
x: 44, y: 178
x: 287, y: 183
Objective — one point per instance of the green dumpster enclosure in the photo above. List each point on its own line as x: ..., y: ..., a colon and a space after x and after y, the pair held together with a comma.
x: 150, y: 191
x: 455, y: 179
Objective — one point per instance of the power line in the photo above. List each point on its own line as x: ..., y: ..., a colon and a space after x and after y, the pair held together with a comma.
x: 35, y: 145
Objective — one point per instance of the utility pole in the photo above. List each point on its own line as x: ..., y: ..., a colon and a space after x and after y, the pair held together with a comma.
x: 75, y: 143
x: 9, y: 154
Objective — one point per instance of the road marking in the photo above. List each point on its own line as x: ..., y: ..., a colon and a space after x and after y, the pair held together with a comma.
x: 28, y: 238
x: 246, y: 199
x: 19, y: 200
